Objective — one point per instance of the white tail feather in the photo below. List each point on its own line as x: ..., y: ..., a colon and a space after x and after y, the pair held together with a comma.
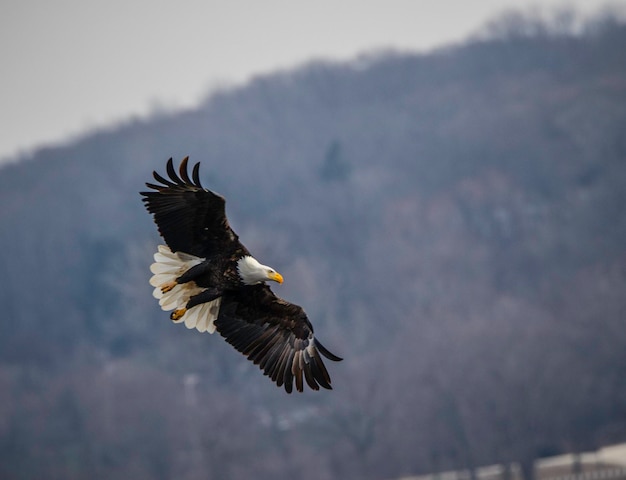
x: 163, y: 268
x: 167, y: 267
x: 202, y: 317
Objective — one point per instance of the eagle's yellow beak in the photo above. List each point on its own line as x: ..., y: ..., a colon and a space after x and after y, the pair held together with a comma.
x: 277, y: 277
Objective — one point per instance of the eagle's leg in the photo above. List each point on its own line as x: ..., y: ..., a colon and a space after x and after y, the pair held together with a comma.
x: 205, y: 296
x: 194, y: 272
x: 191, y: 274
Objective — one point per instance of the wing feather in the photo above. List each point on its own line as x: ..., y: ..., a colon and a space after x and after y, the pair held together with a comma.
x: 172, y: 173
x: 183, y: 171
x: 277, y: 374
x: 269, y: 362
x: 196, y: 175
x: 162, y: 180
x: 189, y: 217
x: 297, y: 371
x: 275, y: 335
x: 308, y: 375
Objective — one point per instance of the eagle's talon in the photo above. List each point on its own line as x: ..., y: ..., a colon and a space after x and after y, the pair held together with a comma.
x: 177, y: 314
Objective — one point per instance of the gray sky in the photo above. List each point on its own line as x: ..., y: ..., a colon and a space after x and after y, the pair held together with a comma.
x: 71, y: 65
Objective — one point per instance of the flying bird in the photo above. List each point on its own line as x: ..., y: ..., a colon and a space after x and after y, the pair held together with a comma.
x: 210, y: 281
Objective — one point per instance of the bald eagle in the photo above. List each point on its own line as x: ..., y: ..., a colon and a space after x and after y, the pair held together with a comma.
x: 210, y: 281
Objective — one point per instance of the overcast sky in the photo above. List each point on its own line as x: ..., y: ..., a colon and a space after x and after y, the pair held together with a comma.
x: 71, y: 65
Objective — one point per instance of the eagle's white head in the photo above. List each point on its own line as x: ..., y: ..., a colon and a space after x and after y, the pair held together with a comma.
x: 253, y: 272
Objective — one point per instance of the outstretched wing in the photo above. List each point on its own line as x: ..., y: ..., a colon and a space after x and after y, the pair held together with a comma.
x: 190, y: 218
x: 276, y: 335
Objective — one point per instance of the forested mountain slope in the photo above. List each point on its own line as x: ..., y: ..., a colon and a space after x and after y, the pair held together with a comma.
x: 452, y: 222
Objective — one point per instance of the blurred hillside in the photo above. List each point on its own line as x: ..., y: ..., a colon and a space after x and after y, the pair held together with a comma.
x: 453, y: 223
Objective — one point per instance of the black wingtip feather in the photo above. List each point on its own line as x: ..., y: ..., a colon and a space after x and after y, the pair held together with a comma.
x: 289, y: 385
x: 288, y: 375
x: 172, y: 173
x: 196, y: 175
x: 182, y: 170
x: 320, y: 373
x: 324, y: 351
x: 297, y: 374
x: 308, y: 376
x: 162, y: 180
x: 152, y: 186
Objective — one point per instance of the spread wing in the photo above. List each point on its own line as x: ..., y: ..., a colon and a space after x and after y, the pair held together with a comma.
x: 190, y: 218
x: 276, y: 335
